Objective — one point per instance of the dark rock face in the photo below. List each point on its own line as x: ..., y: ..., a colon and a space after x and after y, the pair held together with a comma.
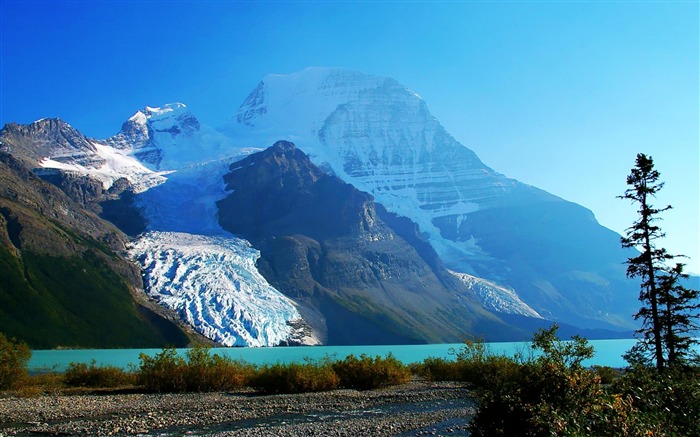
x: 329, y: 246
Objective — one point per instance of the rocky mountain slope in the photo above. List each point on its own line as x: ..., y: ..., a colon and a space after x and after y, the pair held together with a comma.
x: 362, y: 273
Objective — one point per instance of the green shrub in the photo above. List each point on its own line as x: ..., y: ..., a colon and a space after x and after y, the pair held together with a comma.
x: 295, y: 378
x: 83, y: 375
x: 479, y: 367
x: 668, y: 399
x: 205, y: 372
x: 162, y: 373
x: 607, y: 374
x: 438, y: 369
x: 548, y: 395
x: 366, y: 373
x: 473, y: 364
x: 198, y: 371
x: 14, y: 356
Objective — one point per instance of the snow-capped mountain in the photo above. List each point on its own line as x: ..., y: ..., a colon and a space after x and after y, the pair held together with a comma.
x: 52, y: 144
x: 331, y: 248
x: 169, y: 138
x: 521, y: 250
x: 380, y: 136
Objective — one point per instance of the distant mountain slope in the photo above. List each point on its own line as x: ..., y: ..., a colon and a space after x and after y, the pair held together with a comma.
x: 62, y: 284
x: 379, y: 136
x: 363, y: 271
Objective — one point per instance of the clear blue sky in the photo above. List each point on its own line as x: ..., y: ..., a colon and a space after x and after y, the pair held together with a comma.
x: 560, y: 95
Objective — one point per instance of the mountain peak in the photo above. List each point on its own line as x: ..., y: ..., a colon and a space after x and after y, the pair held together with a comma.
x: 290, y: 103
x: 168, y: 111
x: 138, y: 134
x: 47, y: 138
x: 174, y: 118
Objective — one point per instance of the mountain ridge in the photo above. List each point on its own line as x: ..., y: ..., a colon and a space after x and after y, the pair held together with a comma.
x: 326, y: 244
x: 542, y: 254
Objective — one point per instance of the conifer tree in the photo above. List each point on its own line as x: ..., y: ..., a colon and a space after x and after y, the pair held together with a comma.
x: 669, y: 309
x: 679, y: 309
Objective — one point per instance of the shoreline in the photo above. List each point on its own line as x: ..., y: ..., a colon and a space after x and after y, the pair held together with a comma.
x: 416, y: 408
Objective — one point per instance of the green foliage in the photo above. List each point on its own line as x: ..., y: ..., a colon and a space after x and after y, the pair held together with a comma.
x: 549, y: 394
x: 79, y: 301
x: 367, y: 373
x: 206, y: 372
x: 669, y: 399
x: 607, y: 374
x: 568, y: 354
x: 479, y: 367
x: 474, y: 364
x: 438, y: 369
x: 669, y: 311
x: 295, y: 378
x: 83, y: 375
x: 198, y: 371
x: 14, y: 356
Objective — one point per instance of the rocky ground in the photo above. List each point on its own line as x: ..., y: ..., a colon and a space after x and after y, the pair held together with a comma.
x: 418, y: 408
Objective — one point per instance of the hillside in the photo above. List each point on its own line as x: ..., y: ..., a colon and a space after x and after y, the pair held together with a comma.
x: 63, y: 283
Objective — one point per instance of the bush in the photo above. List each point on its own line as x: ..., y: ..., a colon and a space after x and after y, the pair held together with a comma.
x: 548, y: 395
x: 197, y: 372
x: 474, y: 364
x: 295, y: 378
x: 438, y: 369
x: 668, y: 399
x: 480, y: 368
x: 366, y: 373
x: 82, y: 375
x: 14, y: 356
x: 205, y: 372
x: 607, y: 374
x: 163, y: 372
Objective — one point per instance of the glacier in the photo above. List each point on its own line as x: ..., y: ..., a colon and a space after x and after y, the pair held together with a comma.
x: 497, y: 297
x: 212, y: 284
x: 191, y: 265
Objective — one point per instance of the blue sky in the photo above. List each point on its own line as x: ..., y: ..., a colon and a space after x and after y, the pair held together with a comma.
x: 560, y: 95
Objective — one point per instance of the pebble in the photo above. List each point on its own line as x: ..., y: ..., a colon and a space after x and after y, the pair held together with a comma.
x: 417, y: 408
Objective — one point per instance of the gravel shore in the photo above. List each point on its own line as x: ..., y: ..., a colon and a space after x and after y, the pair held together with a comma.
x: 417, y: 408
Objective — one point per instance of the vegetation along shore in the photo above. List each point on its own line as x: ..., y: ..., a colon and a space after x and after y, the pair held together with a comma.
x: 547, y: 392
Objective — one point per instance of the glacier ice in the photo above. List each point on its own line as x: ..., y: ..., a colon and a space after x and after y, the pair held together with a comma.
x: 213, y: 284
x: 496, y: 297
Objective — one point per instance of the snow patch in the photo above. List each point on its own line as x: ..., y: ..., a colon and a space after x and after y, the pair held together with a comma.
x: 116, y: 165
x: 496, y: 297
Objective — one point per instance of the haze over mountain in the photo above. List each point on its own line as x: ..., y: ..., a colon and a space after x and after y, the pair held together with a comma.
x: 379, y: 136
x: 389, y: 193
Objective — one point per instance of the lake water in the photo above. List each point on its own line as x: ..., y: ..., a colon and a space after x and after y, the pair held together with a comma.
x: 607, y: 353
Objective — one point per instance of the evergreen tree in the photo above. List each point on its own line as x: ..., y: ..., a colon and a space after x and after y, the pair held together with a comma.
x: 668, y: 308
x: 679, y: 308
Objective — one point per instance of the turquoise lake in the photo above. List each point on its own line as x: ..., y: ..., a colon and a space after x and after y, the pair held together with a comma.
x: 607, y: 353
